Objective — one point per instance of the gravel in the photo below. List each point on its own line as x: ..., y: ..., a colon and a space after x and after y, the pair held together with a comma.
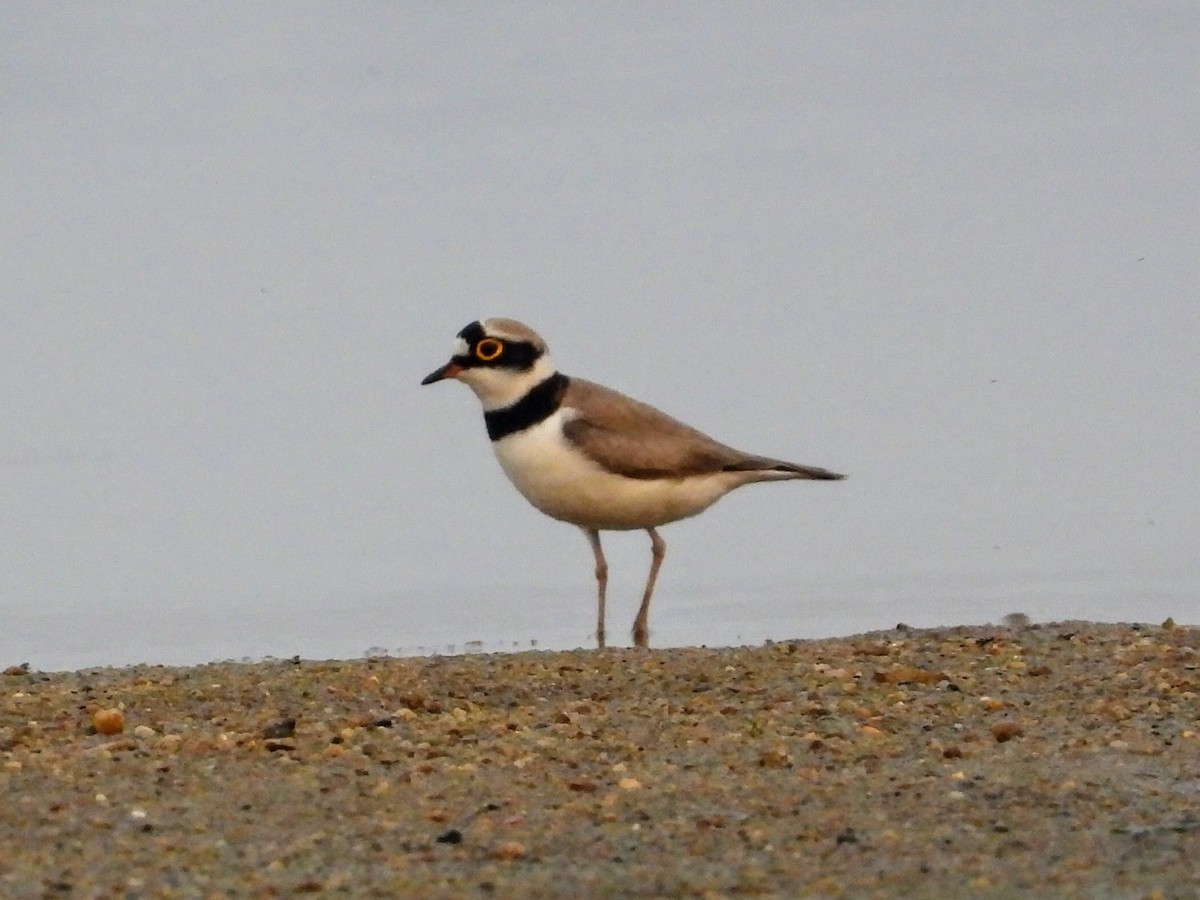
x: 1035, y: 760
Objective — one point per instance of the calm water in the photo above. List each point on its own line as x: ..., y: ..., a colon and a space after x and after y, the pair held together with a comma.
x: 547, y: 621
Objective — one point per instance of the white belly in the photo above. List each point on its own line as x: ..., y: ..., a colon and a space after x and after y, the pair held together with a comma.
x: 563, y: 483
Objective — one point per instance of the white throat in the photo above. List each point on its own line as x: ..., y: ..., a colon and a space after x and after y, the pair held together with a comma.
x: 498, y: 388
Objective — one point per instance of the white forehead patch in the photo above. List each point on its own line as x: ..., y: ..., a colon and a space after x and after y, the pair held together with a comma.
x: 460, y: 347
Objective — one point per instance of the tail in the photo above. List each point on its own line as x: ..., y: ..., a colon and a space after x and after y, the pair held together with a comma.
x: 777, y: 468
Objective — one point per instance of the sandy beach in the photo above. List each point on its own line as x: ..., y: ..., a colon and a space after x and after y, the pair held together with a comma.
x: 1048, y: 760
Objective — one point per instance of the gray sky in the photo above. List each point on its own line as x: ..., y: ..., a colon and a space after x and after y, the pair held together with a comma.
x: 948, y: 249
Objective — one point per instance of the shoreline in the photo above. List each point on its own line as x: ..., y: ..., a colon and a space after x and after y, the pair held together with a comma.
x: 991, y: 760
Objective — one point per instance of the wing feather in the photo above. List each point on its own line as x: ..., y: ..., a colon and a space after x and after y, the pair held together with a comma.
x: 636, y: 440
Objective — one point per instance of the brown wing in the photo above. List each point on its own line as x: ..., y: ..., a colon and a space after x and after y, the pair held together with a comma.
x: 637, y: 441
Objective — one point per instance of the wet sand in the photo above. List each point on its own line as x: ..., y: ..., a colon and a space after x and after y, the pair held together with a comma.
x: 1053, y: 760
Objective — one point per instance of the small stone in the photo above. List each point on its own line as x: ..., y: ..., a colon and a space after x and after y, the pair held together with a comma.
x: 108, y: 721
x: 381, y: 787
x: 143, y: 732
x: 909, y: 675
x: 508, y: 850
x: 875, y: 648
x: 775, y: 758
x: 284, y: 728
x: 1006, y: 731
x: 629, y: 784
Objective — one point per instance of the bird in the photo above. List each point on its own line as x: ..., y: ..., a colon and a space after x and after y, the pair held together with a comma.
x: 592, y: 457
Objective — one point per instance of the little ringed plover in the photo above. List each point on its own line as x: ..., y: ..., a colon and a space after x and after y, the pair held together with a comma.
x: 590, y: 456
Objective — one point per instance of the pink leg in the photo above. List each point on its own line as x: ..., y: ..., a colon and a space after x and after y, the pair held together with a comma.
x: 601, y: 582
x: 641, y: 626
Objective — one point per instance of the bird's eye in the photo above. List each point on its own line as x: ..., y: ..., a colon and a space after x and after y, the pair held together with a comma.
x: 488, y: 349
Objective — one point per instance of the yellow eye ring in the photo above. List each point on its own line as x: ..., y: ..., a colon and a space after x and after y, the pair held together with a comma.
x: 488, y: 349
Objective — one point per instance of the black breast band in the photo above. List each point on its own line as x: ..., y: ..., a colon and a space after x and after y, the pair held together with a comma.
x: 536, y: 406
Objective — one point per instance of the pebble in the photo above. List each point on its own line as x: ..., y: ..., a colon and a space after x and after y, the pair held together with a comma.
x: 509, y: 850
x: 1006, y: 731
x: 108, y: 721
